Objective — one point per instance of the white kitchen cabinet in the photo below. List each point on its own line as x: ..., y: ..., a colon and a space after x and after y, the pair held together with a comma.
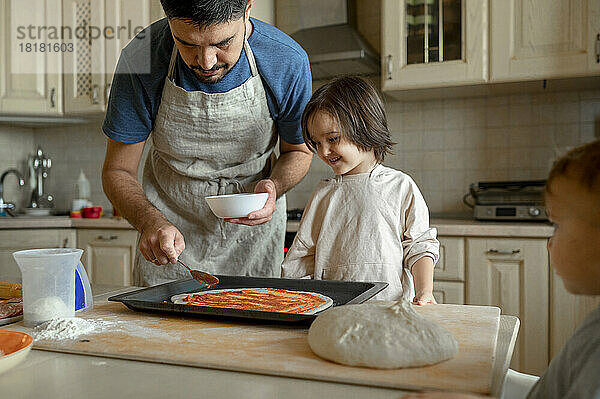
x: 540, y: 39
x: 449, y: 292
x: 20, y: 239
x: 108, y: 255
x: 83, y: 76
x: 567, y: 312
x: 74, y: 77
x: 451, y: 264
x: 90, y: 68
x: 449, y: 272
x: 433, y: 43
x: 513, y: 275
x: 30, y: 81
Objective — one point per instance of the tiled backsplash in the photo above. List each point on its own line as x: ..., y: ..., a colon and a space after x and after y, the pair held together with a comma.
x: 443, y: 144
x: 447, y: 144
x: 75, y: 148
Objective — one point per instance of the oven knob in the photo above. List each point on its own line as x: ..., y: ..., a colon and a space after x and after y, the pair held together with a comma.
x: 534, y: 211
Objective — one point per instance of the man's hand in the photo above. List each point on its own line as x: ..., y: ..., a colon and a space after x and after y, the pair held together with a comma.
x: 266, y: 213
x: 161, y: 242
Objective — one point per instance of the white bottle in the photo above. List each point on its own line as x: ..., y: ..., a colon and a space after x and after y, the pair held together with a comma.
x: 83, y: 186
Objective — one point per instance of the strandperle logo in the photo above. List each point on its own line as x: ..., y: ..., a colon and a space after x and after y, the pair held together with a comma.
x: 84, y: 48
x: 80, y: 32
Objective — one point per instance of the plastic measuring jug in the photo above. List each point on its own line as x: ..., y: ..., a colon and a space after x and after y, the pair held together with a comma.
x: 48, y: 283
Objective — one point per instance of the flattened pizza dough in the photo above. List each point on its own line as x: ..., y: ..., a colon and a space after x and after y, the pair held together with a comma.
x: 264, y: 299
x: 380, y: 336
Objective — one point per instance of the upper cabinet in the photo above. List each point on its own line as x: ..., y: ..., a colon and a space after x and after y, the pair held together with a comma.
x: 62, y: 53
x: 83, y: 78
x: 433, y: 43
x: 540, y: 39
x: 438, y: 43
x: 90, y: 68
x: 30, y: 79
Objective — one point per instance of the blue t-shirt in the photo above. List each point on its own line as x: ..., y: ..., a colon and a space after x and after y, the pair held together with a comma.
x: 135, y: 97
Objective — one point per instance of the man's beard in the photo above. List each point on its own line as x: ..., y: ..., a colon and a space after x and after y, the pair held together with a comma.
x: 211, y: 79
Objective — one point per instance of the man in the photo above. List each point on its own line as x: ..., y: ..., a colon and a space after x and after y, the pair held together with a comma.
x: 223, y: 88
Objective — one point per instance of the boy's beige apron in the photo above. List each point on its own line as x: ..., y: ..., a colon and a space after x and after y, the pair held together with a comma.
x: 207, y: 144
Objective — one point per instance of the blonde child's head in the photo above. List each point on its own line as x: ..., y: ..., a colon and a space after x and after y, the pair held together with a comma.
x: 347, y: 109
x: 573, y: 205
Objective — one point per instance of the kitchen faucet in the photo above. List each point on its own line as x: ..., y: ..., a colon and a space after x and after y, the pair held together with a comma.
x: 7, y: 207
x: 39, y: 166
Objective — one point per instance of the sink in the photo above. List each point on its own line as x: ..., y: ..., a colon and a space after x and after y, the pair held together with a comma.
x: 38, y: 212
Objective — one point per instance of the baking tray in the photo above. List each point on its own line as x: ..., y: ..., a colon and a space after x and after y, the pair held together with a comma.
x: 158, y: 297
x: 10, y: 320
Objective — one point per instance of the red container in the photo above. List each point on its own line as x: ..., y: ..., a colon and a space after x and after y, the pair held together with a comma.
x: 92, y: 212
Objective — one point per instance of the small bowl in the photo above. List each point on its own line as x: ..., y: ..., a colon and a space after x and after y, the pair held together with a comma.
x: 92, y: 212
x: 15, y: 345
x: 236, y: 205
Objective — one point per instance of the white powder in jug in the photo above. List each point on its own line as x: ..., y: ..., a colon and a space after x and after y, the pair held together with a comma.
x: 50, y: 307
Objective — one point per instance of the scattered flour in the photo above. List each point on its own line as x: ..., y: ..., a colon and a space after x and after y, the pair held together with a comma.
x: 65, y: 328
x: 74, y: 327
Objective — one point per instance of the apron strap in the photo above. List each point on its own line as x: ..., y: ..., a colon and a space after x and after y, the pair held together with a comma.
x: 251, y: 59
x: 249, y: 55
x: 172, y: 63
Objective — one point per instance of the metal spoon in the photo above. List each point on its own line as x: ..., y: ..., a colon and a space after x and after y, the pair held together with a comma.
x: 202, y: 277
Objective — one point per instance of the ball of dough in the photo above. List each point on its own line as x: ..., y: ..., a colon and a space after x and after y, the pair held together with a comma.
x: 380, y: 336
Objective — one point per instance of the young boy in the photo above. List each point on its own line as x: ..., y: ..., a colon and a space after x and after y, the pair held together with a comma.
x: 573, y: 204
x: 370, y: 222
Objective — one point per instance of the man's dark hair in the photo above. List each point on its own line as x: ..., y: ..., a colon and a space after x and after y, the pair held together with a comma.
x: 204, y: 12
x: 358, y: 108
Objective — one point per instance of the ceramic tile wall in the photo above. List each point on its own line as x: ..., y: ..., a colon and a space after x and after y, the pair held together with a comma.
x: 444, y: 145
x: 447, y: 144
x: 74, y: 148
x: 16, y: 143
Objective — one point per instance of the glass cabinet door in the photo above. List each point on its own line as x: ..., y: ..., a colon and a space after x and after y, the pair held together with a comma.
x: 433, y: 43
x: 433, y: 31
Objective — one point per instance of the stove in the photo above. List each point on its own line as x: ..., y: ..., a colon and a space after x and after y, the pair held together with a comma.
x: 507, y: 200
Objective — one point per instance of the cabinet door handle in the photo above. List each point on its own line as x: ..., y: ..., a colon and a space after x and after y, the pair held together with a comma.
x: 598, y: 48
x: 503, y: 251
x: 389, y: 67
x: 95, y: 94
x: 52, y: 97
x: 65, y: 243
x: 109, y: 238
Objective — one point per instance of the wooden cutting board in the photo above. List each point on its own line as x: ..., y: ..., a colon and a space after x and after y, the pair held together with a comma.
x: 283, y: 350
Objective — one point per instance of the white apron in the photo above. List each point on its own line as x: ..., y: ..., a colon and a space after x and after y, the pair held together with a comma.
x: 207, y: 144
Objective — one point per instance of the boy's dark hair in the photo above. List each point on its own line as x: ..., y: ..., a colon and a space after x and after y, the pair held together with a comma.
x: 204, y: 12
x: 582, y: 162
x: 359, y: 110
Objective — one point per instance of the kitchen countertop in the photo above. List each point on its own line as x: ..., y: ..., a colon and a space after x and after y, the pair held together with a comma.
x: 445, y: 227
x: 61, y: 375
x: 60, y: 222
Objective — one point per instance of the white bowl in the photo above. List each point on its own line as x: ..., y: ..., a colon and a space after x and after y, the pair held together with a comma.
x: 15, y: 346
x: 236, y: 205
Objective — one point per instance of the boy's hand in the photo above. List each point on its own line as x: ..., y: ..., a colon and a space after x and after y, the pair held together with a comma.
x: 423, y: 298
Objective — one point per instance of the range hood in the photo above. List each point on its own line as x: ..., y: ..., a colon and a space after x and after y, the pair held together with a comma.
x: 338, y: 49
